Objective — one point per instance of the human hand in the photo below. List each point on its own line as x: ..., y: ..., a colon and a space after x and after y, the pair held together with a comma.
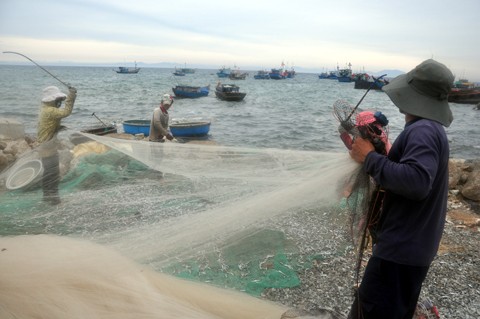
x: 360, y: 149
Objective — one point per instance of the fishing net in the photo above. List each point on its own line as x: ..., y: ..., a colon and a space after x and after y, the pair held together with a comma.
x: 230, y: 217
x: 363, y: 197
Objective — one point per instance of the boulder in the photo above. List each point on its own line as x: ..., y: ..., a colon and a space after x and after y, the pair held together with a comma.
x: 11, y: 129
x: 455, y: 170
x: 16, y: 147
x: 471, y: 189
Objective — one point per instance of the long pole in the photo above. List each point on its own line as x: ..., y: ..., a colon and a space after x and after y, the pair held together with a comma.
x: 369, y: 88
x: 93, y: 114
x: 41, y: 67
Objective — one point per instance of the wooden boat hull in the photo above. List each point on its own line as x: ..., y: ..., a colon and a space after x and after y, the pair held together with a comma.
x: 234, y: 76
x: 104, y: 130
x: 190, y: 129
x: 365, y: 85
x: 230, y: 96
x: 464, y: 96
x: 136, y: 127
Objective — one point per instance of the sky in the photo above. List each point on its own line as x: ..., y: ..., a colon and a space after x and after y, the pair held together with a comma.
x: 309, y: 35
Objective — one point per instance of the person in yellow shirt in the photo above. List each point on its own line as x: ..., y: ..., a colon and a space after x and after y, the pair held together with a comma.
x: 49, y: 123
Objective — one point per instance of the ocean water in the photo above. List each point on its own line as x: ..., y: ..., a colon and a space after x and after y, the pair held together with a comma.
x: 286, y: 114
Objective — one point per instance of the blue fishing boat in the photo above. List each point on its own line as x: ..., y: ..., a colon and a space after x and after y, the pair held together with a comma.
x: 332, y: 75
x: 261, y: 75
x: 277, y: 74
x: 223, y: 72
x: 323, y: 75
x: 185, y: 91
x: 190, y: 129
x: 136, y: 127
x: 345, y: 75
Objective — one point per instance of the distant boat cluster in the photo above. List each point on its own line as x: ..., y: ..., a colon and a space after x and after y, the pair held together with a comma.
x: 362, y: 80
x: 463, y: 92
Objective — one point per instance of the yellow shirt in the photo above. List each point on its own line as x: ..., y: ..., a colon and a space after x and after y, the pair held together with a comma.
x: 50, y: 117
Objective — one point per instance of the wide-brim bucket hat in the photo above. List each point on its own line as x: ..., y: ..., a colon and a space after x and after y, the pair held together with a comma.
x: 52, y: 93
x: 423, y: 92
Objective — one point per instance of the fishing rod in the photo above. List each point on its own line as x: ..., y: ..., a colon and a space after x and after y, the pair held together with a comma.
x: 41, y: 67
x: 375, y: 80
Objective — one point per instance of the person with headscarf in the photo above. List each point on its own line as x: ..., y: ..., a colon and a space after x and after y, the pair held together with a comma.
x: 49, y: 124
x: 160, y: 118
x: 414, y: 177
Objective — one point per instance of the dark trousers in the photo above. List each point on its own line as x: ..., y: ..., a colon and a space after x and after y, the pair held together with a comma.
x: 51, y: 176
x: 388, y: 290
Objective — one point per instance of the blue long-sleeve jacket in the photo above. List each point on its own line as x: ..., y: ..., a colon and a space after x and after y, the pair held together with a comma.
x: 415, y: 178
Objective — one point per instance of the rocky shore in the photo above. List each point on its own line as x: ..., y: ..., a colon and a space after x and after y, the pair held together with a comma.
x: 453, y: 282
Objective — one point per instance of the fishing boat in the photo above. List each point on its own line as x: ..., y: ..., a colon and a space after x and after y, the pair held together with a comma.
x: 365, y: 81
x: 189, y: 128
x: 464, y: 96
x: 223, y: 72
x: 185, y: 91
x: 290, y: 73
x: 277, y: 74
x: 333, y: 75
x: 237, y: 75
x: 261, y: 75
x: 179, y: 72
x: 137, y: 127
x: 102, y: 130
x: 229, y: 92
x: 345, y: 75
x: 126, y: 70
x: 323, y: 75
x: 187, y: 70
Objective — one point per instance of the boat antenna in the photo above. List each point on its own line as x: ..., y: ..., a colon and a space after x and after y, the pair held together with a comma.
x: 375, y: 80
x: 41, y: 67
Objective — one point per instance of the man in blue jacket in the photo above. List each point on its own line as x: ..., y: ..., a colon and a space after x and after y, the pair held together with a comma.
x: 414, y: 176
